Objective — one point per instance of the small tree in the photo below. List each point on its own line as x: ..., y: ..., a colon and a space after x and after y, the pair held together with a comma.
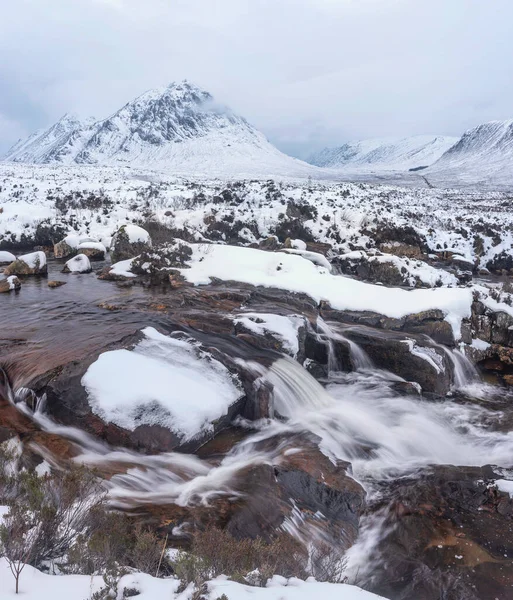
x: 18, y: 540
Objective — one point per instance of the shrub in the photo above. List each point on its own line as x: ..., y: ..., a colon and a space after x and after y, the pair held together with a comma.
x: 216, y: 552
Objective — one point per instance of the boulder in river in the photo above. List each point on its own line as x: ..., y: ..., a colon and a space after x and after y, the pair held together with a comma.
x: 28, y: 264
x: 129, y: 241
x: 93, y: 250
x: 148, y: 391
x: 10, y: 284
x: 77, y: 264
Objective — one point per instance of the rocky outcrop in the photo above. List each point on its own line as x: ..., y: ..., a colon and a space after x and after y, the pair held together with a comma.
x: 431, y: 323
x: 28, y: 264
x: 450, y: 529
x: 412, y: 358
x: 303, y: 489
x: 129, y: 241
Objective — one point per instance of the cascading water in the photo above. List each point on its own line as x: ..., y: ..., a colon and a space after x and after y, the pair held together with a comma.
x: 357, y: 417
x: 359, y: 359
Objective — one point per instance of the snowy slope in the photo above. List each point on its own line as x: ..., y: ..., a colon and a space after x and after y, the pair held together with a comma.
x: 394, y: 154
x: 484, y: 154
x: 54, y: 144
x: 179, y: 129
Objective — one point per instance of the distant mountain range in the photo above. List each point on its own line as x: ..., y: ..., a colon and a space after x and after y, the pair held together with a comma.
x: 396, y: 154
x: 182, y: 130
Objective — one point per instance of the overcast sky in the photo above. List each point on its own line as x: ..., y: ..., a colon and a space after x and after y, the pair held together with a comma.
x: 308, y: 73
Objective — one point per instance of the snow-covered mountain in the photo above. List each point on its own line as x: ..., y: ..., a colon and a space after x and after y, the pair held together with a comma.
x: 51, y: 144
x: 179, y: 128
x: 393, y: 154
x: 484, y: 154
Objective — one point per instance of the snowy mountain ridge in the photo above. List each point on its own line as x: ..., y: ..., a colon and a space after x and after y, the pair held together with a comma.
x: 397, y: 154
x: 484, y: 153
x: 179, y: 127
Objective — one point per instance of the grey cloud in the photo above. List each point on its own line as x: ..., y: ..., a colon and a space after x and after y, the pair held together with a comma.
x: 308, y: 73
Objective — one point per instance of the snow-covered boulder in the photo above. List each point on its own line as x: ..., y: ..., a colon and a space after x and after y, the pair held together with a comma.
x: 149, y: 391
x: 6, y: 258
x: 129, y: 241
x: 93, y: 250
x: 120, y: 271
x: 10, y: 284
x: 66, y: 247
x: 28, y: 264
x: 78, y: 264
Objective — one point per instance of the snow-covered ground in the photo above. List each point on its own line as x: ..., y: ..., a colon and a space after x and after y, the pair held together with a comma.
x: 35, y: 585
x: 474, y: 225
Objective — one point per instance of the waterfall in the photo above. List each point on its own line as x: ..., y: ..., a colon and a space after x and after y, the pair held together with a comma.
x: 359, y: 358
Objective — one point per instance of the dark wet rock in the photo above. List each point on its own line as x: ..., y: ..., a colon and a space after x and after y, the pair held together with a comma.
x: 406, y: 388
x: 429, y: 322
x: 316, y: 370
x: 9, y: 284
x: 393, y: 352
x: 368, y: 268
x: 128, y: 242
x: 304, y: 482
x: 494, y: 327
x: 448, y: 532
x: 28, y: 264
x: 159, y: 264
x: 56, y: 284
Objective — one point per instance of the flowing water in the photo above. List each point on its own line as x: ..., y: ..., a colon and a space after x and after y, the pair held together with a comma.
x: 357, y: 417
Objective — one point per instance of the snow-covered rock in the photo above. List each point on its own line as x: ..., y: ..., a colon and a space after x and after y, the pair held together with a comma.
x: 294, y: 273
x: 66, y: 247
x: 28, y: 264
x: 175, y: 385
x: 93, y: 250
x: 9, y: 284
x: 77, y: 264
x: 129, y: 241
x: 6, y: 258
x: 283, y: 328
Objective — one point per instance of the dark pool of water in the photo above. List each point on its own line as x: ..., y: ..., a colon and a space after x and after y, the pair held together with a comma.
x: 41, y: 327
